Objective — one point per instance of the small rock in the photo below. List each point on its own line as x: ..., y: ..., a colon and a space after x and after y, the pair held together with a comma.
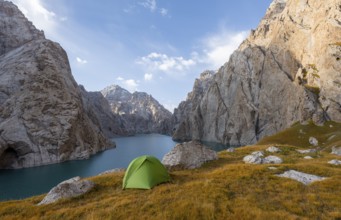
x: 336, y: 150
x: 335, y: 162
x: 273, y: 149
x: 67, y: 189
x: 188, y: 155
x: 308, y: 157
x: 258, y: 153
x: 111, y: 171
x: 253, y: 159
x: 313, y: 141
x: 231, y: 149
x: 272, y: 160
x: 272, y: 168
x: 308, y: 151
x: 301, y: 177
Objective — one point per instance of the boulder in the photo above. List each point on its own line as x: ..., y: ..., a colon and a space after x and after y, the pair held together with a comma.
x: 301, y: 177
x: 307, y: 151
x: 335, y: 162
x: 273, y: 149
x: 67, y: 189
x: 336, y: 150
x: 308, y: 157
x: 188, y: 155
x: 313, y: 141
x: 254, y: 158
x: 272, y: 160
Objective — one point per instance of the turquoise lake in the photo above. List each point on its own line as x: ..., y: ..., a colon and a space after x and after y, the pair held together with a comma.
x: 22, y: 183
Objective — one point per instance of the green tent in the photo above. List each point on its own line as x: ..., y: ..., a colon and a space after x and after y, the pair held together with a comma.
x: 144, y: 173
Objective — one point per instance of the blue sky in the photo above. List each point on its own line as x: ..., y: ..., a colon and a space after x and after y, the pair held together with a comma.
x: 155, y: 46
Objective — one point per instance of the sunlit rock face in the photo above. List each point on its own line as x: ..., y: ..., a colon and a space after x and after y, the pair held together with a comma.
x: 140, y: 112
x: 43, y: 119
x: 287, y: 70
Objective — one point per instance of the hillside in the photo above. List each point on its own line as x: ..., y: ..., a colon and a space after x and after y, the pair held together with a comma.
x: 223, y: 189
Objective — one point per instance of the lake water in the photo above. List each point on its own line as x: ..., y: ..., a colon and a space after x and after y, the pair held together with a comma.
x: 22, y: 183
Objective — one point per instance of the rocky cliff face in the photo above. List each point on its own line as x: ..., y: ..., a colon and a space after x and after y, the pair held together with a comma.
x: 43, y: 118
x: 99, y: 109
x: 183, y: 115
x: 140, y: 112
x: 287, y: 70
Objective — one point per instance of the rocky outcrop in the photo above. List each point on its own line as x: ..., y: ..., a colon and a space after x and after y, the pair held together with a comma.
x: 43, y: 118
x: 335, y: 162
x: 257, y: 157
x: 140, y: 112
x: 188, y: 155
x: 301, y: 177
x: 287, y: 70
x: 183, y: 118
x: 67, y: 189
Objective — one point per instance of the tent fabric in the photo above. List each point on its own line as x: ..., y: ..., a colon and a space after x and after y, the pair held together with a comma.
x: 145, y: 172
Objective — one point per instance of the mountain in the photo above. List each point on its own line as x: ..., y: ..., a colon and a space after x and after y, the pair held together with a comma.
x: 43, y: 118
x: 140, y: 112
x: 287, y: 70
x: 183, y: 114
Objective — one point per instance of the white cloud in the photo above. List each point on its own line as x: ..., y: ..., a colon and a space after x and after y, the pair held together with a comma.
x: 35, y: 11
x: 157, y: 62
x: 152, y: 6
x: 149, y: 4
x: 148, y: 76
x: 217, y: 48
x: 130, y: 84
x: 163, y: 11
x: 81, y: 61
x: 120, y: 78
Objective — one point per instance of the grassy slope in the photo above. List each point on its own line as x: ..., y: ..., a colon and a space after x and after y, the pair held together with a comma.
x: 223, y: 189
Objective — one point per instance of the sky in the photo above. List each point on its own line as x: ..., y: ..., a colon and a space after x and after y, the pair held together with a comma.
x: 153, y: 46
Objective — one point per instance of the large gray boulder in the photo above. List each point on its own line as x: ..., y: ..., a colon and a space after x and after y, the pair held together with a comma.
x: 301, y: 177
x: 67, y: 189
x: 43, y: 118
x: 188, y: 155
x: 279, y: 75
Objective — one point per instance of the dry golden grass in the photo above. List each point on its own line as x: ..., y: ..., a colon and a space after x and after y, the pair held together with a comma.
x: 223, y: 189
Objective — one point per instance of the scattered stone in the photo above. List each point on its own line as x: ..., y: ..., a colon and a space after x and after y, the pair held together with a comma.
x: 188, y: 155
x: 272, y: 160
x: 313, y: 141
x: 254, y: 157
x: 336, y: 150
x: 308, y: 157
x: 301, y: 177
x: 116, y: 170
x: 67, y: 189
x: 272, y: 168
x: 307, y: 151
x: 231, y: 149
x: 335, y: 162
x: 273, y: 149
